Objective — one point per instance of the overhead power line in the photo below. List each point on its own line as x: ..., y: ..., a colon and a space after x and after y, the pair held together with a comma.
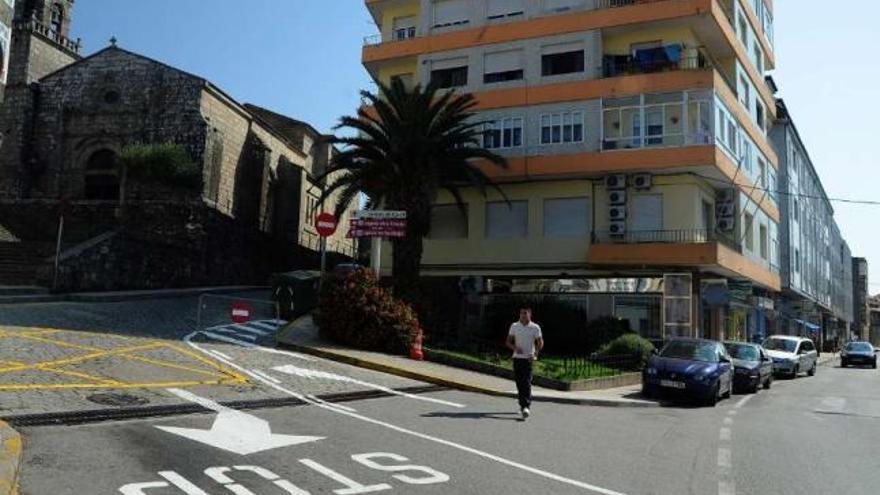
x: 790, y: 194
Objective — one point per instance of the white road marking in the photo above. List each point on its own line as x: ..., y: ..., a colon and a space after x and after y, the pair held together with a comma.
x: 726, y: 488
x: 724, y: 435
x: 732, y: 412
x: 250, y: 345
x: 247, y: 328
x: 182, y: 483
x: 337, y: 406
x: 264, y: 325
x: 138, y: 488
x: 352, y: 487
x: 728, y: 421
x: 832, y: 405
x: 743, y: 401
x: 234, y: 431
x: 323, y: 375
x: 724, y: 458
x: 230, y: 340
x: 218, y: 353
x: 423, y: 436
x: 265, y: 376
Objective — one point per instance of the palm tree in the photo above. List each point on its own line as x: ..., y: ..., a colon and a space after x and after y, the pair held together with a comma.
x: 412, y: 144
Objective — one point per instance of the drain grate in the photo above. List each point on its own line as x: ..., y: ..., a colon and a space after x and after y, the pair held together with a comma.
x: 117, y: 400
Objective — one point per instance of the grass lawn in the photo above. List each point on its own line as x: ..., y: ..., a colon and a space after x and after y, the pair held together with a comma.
x: 546, y: 366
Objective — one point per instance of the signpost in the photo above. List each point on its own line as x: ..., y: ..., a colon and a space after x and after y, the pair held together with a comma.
x: 376, y: 225
x: 241, y: 312
x: 325, y: 224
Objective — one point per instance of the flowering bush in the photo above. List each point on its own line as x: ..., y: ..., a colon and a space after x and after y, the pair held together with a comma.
x: 355, y: 311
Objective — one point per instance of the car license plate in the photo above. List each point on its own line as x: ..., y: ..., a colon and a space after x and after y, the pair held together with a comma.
x: 671, y: 384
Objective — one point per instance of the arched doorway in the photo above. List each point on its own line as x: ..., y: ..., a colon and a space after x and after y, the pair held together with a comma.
x: 102, y: 175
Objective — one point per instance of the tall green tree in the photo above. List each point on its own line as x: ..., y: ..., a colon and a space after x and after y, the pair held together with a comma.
x: 412, y: 144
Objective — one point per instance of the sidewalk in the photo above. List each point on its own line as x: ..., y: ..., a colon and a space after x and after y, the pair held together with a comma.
x: 39, y: 295
x: 302, y: 335
x: 10, y: 459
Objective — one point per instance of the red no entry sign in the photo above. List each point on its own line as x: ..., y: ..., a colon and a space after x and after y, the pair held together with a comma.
x: 325, y: 223
x: 241, y: 312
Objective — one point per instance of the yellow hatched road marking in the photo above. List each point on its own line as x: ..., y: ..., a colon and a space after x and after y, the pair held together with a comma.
x: 222, y: 375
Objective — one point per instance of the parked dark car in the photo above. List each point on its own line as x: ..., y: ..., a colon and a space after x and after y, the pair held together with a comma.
x: 752, y: 367
x: 697, y: 368
x: 862, y: 353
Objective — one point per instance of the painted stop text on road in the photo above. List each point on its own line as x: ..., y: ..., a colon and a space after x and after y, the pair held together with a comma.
x: 397, y: 469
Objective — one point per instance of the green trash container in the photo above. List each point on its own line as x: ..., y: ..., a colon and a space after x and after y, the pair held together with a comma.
x: 295, y: 292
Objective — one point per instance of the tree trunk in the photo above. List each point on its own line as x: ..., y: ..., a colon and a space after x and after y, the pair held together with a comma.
x: 405, y: 268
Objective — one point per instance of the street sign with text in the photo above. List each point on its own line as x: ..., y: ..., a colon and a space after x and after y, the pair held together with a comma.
x: 377, y: 223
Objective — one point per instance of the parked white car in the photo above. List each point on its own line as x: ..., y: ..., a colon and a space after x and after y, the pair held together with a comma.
x: 792, y: 355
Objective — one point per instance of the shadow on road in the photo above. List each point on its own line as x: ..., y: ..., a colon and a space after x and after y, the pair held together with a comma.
x: 500, y: 416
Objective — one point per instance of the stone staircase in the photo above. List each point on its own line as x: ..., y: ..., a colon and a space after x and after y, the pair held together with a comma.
x: 20, y: 261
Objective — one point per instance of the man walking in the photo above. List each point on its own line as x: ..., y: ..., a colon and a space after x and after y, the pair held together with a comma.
x: 526, y: 341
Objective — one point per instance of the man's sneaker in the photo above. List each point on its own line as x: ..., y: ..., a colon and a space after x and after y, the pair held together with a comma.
x: 526, y: 413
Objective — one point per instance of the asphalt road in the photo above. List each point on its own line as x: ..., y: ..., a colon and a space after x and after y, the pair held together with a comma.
x: 807, y: 436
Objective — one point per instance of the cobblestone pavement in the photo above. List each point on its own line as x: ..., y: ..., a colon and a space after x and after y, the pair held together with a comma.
x: 67, y: 357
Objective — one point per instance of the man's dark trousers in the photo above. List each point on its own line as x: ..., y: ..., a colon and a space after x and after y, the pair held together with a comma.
x: 522, y: 372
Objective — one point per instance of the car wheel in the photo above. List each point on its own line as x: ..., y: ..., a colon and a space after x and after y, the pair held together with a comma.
x: 812, y: 371
x: 712, y: 397
x: 648, y: 391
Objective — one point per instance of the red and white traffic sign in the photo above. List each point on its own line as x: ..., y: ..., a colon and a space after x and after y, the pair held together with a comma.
x: 241, y: 312
x: 326, y: 224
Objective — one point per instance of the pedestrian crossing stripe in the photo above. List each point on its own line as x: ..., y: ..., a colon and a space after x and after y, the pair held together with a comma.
x: 249, y: 331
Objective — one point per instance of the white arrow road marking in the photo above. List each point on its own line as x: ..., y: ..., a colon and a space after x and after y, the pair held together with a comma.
x: 323, y: 375
x: 234, y: 431
x: 423, y: 436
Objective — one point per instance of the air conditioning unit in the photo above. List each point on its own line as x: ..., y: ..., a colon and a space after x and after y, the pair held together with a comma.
x: 616, y: 181
x: 617, y: 198
x: 641, y: 181
x: 617, y: 229
x: 726, y: 224
x: 725, y: 210
x: 617, y: 213
x: 726, y: 195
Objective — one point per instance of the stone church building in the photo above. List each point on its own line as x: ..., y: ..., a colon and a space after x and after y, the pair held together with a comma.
x: 64, y: 121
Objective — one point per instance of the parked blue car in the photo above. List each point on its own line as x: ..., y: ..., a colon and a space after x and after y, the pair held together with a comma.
x: 697, y: 368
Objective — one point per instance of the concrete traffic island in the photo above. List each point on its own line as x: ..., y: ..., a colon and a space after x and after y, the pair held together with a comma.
x: 302, y: 335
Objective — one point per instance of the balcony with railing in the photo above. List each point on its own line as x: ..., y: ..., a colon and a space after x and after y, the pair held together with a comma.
x: 680, y: 236
x: 35, y: 26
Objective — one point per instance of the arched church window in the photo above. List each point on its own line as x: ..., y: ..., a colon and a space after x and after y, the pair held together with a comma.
x: 102, y: 175
x: 57, y: 19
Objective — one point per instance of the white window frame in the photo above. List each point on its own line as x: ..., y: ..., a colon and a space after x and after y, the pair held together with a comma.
x: 506, y: 123
x: 561, y: 120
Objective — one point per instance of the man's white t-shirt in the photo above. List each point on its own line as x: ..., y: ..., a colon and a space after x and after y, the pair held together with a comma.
x: 524, y: 339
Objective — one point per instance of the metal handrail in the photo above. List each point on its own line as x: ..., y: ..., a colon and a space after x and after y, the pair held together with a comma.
x: 680, y: 236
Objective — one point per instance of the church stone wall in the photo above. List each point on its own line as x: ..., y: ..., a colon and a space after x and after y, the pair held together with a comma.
x: 107, y: 102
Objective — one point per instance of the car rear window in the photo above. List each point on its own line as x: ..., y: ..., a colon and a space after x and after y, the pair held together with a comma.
x: 742, y: 351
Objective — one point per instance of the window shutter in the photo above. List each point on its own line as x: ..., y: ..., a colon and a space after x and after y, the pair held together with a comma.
x: 503, y: 61
x: 450, y: 11
x: 498, y: 8
x: 505, y: 221
x: 647, y: 213
x: 449, y: 63
x: 562, y: 48
x: 567, y: 218
x: 561, y: 5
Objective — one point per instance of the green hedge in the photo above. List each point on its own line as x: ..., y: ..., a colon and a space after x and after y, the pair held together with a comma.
x: 629, y: 344
x: 164, y: 163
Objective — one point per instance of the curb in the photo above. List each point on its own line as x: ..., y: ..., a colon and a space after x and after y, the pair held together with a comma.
x: 119, y: 296
x: 10, y: 459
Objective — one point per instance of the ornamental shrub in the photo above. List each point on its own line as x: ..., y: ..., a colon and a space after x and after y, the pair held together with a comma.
x: 628, y: 345
x: 356, y: 311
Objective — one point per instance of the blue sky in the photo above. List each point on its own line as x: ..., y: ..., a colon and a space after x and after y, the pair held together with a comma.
x: 302, y: 58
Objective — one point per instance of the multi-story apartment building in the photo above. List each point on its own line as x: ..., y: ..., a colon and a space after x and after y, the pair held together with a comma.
x: 637, y: 137
x: 874, y: 309
x: 861, y: 316
x: 816, y: 263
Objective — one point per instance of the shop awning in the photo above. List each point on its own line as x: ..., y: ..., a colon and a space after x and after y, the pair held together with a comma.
x: 811, y: 326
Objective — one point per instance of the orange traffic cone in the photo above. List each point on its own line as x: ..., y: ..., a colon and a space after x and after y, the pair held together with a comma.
x: 415, y: 352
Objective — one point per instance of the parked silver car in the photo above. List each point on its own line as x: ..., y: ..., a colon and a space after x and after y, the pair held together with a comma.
x: 792, y: 355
